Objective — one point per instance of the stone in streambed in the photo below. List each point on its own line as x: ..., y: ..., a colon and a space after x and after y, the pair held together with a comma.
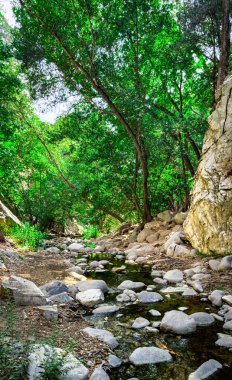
x: 99, y: 374
x: 54, y: 287
x: 149, y: 297
x: 140, y: 323
x: 107, y: 309
x: 178, y: 322
x: 114, y: 361
x: 224, y: 341
x: 206, y: 370
x: 93, y: 284
x: 174, y: 276
x: 131, y: 285
x: 202, y: 319
x: 149, y: 355
x: 90, y: 297
x: 216, y: 297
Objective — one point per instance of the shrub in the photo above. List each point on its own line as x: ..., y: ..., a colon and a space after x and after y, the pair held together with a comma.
x: 27, y: 235
x: 90, y: 232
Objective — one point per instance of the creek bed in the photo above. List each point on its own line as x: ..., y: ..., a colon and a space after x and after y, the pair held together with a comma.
x: 188, y: 351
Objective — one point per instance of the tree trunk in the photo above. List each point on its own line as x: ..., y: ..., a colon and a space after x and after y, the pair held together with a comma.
x: 225, y: 43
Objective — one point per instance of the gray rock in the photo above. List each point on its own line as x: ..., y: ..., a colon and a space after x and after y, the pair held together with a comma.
x: 49, y: 312
x: 149, y: 297
x: 75, y: 247
x: 180, y: 217
x: 61, y: 298
x: 156, y: 273
x: 178, y: 322
x: 214, y: 264
x: 99, y: 374
x: 189, y: 272
x: 174, y: 276
x: 189, y: 293
x: 149, y: 355
x: 93, y: 284
x: 226, y: 263
x: 75, y: 269
x: 177, y: 289
x: 140, y: 323
x: 160, y: 281
x: 206, y: 370
x: 200, y: 276
x: 54, y: 287
x: 216, y: 297
x: 53, y: 250
x: 71, y: 368
x: 103, y: 335
x: 202, y: 319
x: 228, y: 325
x: 151, y: 329
x: 228, y: 315
x: 131, y: 285
x: 108, y: 309
x: 114, y: 361
x: 25, y: 292
x: 127, y: 296
x: 224, y: 341
x: 227, y: 299
x: 155, y: 313
x: 90, y: 297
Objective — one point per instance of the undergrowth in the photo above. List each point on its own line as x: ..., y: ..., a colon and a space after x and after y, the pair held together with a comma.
x: 27, y: 235
x: 91, y: 232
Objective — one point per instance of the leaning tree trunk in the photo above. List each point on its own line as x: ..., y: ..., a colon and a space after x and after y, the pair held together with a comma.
x: 209, y: 223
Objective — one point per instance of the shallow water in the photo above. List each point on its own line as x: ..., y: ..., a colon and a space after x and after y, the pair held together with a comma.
x: 188, y: 352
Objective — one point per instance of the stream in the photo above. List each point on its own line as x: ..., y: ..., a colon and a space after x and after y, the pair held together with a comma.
x: 188, y: 351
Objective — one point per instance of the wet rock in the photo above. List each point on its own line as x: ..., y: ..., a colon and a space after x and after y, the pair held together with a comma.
x: 149, y: 355
x: 227, y: 299
x: 108, y: 309
x: 25, y: 292
x: 75, y: 247
x: 114, y: 361
x: 226, y: 263
x: 216, y: 297
x: 140, y: 323
x: 149, y: 297
x: 131, y: 285
x: 206, y: 370
x: 61, y: 298
x: 49, y: 312
x: 174, y: 276
x: 54, y: 287
x: 103, y: 335
x: 155, y: 313
x: 53, y: 250
x: 90, y: 297
x: 71, y: 368
x: 224, y: 341
x: 202, y: 319
x: 178, y: 322
x: 99, y: 374
x: 93, y: 284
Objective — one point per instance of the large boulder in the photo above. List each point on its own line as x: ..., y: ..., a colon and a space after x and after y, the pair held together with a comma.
x: 90, y: 297
x: 208, y: 226
x: 25, y: 292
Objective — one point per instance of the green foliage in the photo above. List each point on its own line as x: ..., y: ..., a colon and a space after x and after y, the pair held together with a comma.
x: 27, y: 235
x: 90, y: 232
x: 52, y: 367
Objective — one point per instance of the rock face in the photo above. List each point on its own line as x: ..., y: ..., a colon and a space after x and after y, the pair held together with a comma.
x: 209, y: 222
